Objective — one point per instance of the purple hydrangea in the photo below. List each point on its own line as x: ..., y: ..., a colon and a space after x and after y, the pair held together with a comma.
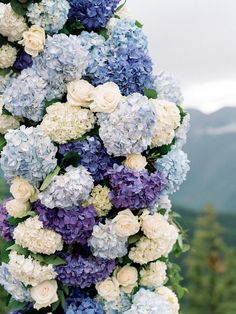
x: 79, y: 303
x: 75, y: 225
x: 93, y: 155
x: 93, y: 14
x: 23, y: 61
x: 6, y: 230
x: 130, y: 68
x: 133, y: 189
x: 84, y: 271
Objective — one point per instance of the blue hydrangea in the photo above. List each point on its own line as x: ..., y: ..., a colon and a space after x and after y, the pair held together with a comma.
x: 145, y: 301
x: 93, y: 156
x: 25, y: 96
x: 168, y: 88
x: 119, y: 307
x: 126, y: 33
x: 14, y: 287
x: 174, y: 167
x: 29, y: 153
x: 49, y: 14
x: 93, y: 14
x: 68, y: 190
x: 23, y: 61
x: 130, y: 68
x: 105, y: 243
x: 129, y: 129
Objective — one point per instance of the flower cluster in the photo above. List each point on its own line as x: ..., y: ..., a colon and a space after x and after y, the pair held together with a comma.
x: 91, y: 147
x: 75, y: 225
x: 68, y: 190
x: 29, y: 154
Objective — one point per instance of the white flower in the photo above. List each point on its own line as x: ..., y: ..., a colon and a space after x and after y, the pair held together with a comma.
x: 167, y: 120
x: 33, y: 40
x: 29, y: 271
x: 99, y: 198
x: 44, y: 294
x: 126, y: 224
x: 127, y: 277
x: 17, y: 208
x: 136, y: 162
x: 153, y: 275
x: 11, y: 24
x: 22, y: 190
x: 31, y: 235
x: 108, y: 289
x: 7, y: 56
x: 64, y: 122
x: 106, y: 98
x: 79, y: 93
x: 170, y: 296
x: 7, y: 122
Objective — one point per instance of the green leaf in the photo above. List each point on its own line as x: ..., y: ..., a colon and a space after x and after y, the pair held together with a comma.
x: 15, y: 305
x: 103, y: 32
x: 18, y: 7
x: 182, y: 113
x: 49, y: 178
x: 133, y: 239
x: 71, y: 159
x: 55, y: 305
x: 138, y: 24
x: 48, y: 103
x: 4, y: 253
x: 62, y: 298
x: 39, y: 258
x: 14, y: 221
x: 19, y: 249
x: 77, y: 25
x: 2, y: 142
x: 65, y: 289
x: 121, y: 6
x: 28, y: 214
x: 150, y: 93
x: 6, y: 112
x: 54, y: 260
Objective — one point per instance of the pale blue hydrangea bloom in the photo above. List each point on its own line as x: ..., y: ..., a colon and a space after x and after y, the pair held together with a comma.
x: 105, y: 243
x: 14, y: 287
x: 126, y: 33
x: 145, y: 301
x: 29, y: 153
x: 129, y: 129
x: 174, y: 166
x: 168, y: 88
x: 24, y: 96
x: 120, y: 306
x: 49, y: 14
x: 5, y: 81
x: 68, y: 190
x: 182, y: 132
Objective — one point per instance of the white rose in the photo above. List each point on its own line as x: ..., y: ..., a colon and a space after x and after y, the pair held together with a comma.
x: 126, y: 224
x: 127, y: 277
x: 153, y: 226
x: 44, y: 294
x: 136, y: 162
x: 33, y: 40
x: 17, y: 208
x: 79, y: 93
x: 106, y: 97
x: 22, y: 190
x: 154, y: 275
x: 108, y: 289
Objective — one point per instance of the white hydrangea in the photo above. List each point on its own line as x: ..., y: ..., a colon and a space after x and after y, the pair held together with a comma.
x: 153, y: 275
x: 99, y: 198
x: 29, y: 271
x: 7, y: 122
x: 12, y: 25
x: 7, y: 56
x: 69, y: 189
x: 167, y: 120
x: 30, y: 234
x: 64, y: 122
x: 170, y: 296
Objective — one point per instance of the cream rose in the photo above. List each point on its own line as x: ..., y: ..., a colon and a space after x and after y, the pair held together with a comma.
x: 126, y: 224
x: 136, y: 162
x: 108, y: 289
x: 106, y: 97
x: 17, y: 208
x: 44, y: 294
x: 79, y: 93
x: 127, y: 277
x: 154, y: 275
x: 33, y: 40
x: 22, y: 190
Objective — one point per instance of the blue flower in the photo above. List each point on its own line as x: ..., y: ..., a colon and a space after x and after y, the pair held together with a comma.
x: 49, y: 14
x: 23, y: 61
x: 93, y: 14
x: 174, y: 167
x: 129, y: 129
x: 29, y: 153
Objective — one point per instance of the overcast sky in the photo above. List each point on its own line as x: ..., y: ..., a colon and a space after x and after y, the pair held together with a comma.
x: 195, y: 40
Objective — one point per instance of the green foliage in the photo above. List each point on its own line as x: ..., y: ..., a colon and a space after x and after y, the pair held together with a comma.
x: 49, y: 178
x: 150, y: 93
x: 18, y: 7
x: 138, y: 24
x: 2, y: 142
x: 70, y: 159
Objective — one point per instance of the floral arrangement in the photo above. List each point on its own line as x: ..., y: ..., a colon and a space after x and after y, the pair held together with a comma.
x: 91, y: 146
